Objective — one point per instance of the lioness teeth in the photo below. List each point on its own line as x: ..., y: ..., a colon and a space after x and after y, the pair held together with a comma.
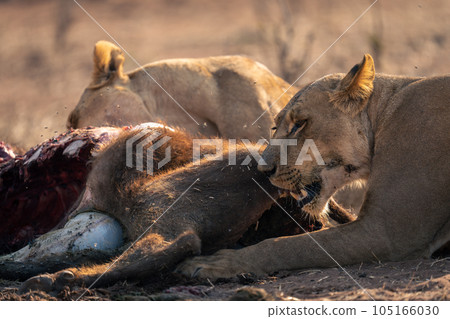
x: 300, y: 196
x: 296, y: 196
x: 304, y: 193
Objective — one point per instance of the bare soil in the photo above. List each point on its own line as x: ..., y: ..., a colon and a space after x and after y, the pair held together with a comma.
x: 407, y: 280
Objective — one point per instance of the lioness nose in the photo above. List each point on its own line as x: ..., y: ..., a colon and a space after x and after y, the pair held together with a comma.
x: 269, y: 170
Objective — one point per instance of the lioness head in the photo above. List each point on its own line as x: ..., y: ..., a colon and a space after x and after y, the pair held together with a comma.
x: 107, y: 99
x: 329, y: 125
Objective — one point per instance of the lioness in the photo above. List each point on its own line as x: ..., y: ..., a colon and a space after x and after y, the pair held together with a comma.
x: 390, y: 131
x: 215, y: 96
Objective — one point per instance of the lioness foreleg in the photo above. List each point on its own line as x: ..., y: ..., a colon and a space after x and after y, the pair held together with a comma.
x: 346, y: 244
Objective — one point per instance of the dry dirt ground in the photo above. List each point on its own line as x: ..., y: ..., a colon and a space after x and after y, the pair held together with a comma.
x: 45, y: 63
x: 408, y: 280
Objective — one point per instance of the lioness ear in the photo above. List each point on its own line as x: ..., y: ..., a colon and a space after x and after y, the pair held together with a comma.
x: 108, y: 64
x: 355, y: 88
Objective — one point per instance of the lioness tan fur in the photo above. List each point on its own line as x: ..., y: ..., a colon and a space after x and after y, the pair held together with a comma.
x: 215, y: 96
x: 391, y: 132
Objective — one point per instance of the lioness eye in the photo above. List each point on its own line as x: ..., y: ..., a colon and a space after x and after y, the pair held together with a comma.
x: 274, y: 128
x: 298, y: 126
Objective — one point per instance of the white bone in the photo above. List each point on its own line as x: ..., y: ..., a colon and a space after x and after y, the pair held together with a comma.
x: 86, y: 231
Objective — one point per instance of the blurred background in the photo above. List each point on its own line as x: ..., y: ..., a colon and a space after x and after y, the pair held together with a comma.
x: 46, y: 46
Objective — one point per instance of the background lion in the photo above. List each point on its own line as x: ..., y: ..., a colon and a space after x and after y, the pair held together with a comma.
x: 216, y: 96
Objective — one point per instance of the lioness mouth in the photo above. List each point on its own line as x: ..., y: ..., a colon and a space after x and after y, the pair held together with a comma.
x: 307, y: 194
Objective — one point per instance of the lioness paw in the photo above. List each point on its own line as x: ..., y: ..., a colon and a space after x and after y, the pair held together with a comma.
x: 222, y: 265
